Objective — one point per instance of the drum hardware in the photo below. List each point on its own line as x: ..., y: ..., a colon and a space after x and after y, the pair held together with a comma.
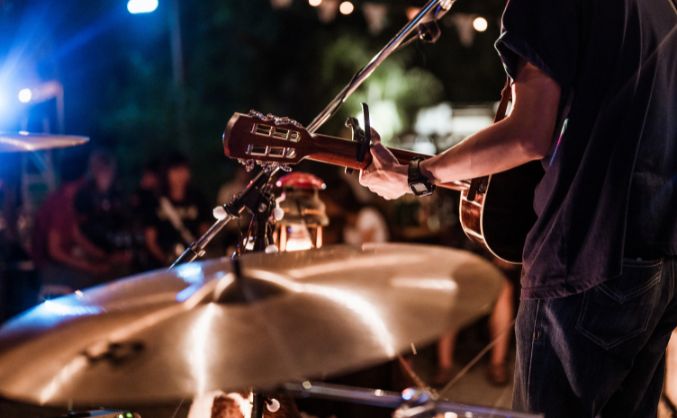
x: 101, y: 414
x: 410, y: 403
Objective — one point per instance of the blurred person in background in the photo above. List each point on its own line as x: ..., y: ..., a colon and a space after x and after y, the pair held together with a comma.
x: 143, y: 202
x: 351, y: 221
x: 101, y: 210
x: 65, y: 258
x: 180, y: 213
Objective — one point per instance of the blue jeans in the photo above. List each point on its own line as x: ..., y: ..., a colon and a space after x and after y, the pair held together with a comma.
x: 600, y: 353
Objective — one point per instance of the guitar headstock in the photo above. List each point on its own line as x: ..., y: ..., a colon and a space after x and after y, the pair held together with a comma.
x: 266, y: 139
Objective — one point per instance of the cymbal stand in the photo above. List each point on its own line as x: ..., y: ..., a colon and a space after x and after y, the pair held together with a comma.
x: 411, y: 403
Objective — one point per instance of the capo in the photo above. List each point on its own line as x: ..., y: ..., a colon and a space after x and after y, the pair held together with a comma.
x: 361, y: 136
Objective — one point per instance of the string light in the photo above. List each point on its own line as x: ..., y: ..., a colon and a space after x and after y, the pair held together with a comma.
x: 346, y: 8
x: 315, y: 3
x: 480, y: 24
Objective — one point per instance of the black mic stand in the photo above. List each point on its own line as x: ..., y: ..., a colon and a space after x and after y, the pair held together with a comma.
x: 254, y: 198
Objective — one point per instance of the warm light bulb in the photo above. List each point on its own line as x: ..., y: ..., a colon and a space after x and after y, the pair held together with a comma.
x: 480, y: 24
x: 315, y: 3
x: 346, y: 8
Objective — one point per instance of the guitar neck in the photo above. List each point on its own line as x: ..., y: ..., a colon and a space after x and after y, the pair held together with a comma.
x: 343, y: 153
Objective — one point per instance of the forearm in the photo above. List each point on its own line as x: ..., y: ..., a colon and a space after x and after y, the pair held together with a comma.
x: 73, y: 262
x: 496, y: 148
x: 57, y: 254
x: 523, y: 136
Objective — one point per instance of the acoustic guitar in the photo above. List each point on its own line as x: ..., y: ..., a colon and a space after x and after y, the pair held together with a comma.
x: 495, y: 211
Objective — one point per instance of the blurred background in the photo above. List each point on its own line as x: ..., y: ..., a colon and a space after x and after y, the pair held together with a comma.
x: 153, y: 83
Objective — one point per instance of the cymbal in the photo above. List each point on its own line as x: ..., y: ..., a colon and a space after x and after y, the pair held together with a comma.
x: 26, y: 141
x: 167, y: 335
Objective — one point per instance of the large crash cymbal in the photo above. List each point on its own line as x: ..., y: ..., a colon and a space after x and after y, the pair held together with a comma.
x: 25, y: 141
x: 167, y: 335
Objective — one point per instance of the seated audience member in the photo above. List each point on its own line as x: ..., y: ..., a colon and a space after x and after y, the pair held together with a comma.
x: 142, y: 203
x: 179, y: 215
x: 101, y: 210
x: 65, y: 258
x: 351, y: 221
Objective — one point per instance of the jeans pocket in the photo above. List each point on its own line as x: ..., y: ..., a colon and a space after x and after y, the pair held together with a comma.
x: 621, y: 308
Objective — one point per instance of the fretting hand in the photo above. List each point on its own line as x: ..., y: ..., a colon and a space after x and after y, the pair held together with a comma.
x: 384, y: 176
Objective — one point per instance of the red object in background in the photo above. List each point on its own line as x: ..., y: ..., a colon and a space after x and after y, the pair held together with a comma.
x: 300, y: 180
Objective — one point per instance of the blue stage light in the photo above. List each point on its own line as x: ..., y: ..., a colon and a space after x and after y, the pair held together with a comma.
x: 142, y: 6
x: 25, y: 95
x: 3, y: 100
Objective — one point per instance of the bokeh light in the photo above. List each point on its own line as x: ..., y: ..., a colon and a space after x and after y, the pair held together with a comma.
x: 480, y: 24
x: 346, y: 8
x: 315, y: 3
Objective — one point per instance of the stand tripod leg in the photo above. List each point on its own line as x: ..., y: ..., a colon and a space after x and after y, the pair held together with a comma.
x: 258, y: 405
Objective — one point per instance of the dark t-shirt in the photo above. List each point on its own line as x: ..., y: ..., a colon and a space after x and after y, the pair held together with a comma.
x: 193, y: 212
x: 609, y: 189
x: 103, y: 217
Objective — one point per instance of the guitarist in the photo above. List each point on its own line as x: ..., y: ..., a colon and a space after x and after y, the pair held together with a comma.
x: 595, y: 100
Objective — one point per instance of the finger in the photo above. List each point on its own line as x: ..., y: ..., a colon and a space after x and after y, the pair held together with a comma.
x: 375, y: 136
x: 377, y: 161
x: 383, y: 154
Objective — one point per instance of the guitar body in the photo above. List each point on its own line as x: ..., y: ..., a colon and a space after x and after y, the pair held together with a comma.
x: 497, y: 211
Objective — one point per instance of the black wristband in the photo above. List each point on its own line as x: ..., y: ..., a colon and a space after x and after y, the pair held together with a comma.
x: 419, y: 183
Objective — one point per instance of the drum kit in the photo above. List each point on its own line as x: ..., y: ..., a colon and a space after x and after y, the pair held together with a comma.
x: 260, y: 324
x: 263, y: 321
